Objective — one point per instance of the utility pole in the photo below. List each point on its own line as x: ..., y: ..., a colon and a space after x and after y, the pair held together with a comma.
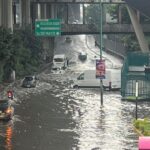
x: 101, y: 43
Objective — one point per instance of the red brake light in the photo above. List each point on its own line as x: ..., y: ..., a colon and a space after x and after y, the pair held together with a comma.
x: 9, y: 110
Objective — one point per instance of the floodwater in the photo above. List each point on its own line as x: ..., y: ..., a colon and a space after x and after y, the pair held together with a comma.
x: 54, y: 116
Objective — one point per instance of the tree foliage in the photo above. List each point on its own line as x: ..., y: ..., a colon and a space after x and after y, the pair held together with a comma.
x: 113, y: 10
x: 92, y: 14
x: 131, y: 42
x: 19, y: 51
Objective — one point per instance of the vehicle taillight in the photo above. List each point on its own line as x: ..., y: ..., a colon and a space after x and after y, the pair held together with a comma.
x: 9, y: 94
x: 9, y: 110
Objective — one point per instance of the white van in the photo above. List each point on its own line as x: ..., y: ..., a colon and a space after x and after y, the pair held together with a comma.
x: 60, y: 61
x: 88, y: 79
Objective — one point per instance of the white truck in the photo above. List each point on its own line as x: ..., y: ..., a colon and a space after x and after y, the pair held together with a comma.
x: 60, y: 61
x: 88, y: 79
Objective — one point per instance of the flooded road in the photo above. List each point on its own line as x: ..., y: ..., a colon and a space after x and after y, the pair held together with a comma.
x: 69, y: 119
x: 54, y: 116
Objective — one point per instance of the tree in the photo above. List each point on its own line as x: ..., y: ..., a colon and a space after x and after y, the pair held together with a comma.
x: 19, y: 51
x: 92, y: 14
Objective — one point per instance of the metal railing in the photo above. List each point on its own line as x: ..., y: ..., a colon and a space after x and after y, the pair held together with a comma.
x: 107, y: 28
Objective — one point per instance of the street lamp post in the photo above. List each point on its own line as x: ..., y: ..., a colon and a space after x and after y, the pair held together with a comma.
x: 101, y: 42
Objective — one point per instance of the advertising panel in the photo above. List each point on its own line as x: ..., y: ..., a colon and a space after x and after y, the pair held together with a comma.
x: 100, y: 69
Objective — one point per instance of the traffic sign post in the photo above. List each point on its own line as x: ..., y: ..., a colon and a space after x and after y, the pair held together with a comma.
x: 136, y: 95
x: 101, y: 42
x: 100, y: 73
x: 47, y: 27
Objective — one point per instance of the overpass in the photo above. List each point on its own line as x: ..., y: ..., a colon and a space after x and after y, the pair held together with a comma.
x: 73, y: 29
x: 142, y: 5
x: 79, y: 1
x: 30, y: 9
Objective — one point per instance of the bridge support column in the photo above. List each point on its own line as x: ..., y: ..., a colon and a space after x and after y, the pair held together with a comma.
x: 20, y: 12
x: 48, y: 11
x: 48, y: 46
x: 26, y: 18
x: 43, y: 11
x: 138, y: 30
x: 138, y: 15
x: 53, y: 11
x: 0, y: 12
x: 14, y: 13
x: 37, y: 11
x: 7, y: 16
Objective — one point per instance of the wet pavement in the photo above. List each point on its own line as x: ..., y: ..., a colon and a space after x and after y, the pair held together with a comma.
x: 54, y: 116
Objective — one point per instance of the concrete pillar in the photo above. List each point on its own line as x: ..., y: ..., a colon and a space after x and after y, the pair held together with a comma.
x: 53, y: 11
x: 48, y: 11
x: 138, y: 30
x: 7, y: 15
x: 138, y: 15
x: 20, y: 13
x: 26, y: 18
x: 48, y: 46
x: 35, y: 11
x: 48, y: 43
x: 14, y: 14
x: 43, y: 11
x: 38, y: 11
x: 0, y: 12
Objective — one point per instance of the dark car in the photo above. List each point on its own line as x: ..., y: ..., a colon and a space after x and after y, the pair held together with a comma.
x: 6, y: 110
x: 29, y: 81
x: 82, y: 56
x: 68, y: 39
x: 57, y: 70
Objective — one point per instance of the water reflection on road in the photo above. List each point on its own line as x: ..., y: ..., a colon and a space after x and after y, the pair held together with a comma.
x: 6, y: 134
x: 106, y: 128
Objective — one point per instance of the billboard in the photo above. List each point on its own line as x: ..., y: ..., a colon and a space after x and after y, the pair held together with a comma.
x: 100, y: 68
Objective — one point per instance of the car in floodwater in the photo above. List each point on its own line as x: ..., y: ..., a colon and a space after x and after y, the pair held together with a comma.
x: 29, y: 81
x: 82, y: 56
x: 112, y: 80
x: 6, y: 110
x: 68, y: 39
x: 57, y: 70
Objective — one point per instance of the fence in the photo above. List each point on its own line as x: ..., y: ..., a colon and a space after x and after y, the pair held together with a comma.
x: 136, y: 68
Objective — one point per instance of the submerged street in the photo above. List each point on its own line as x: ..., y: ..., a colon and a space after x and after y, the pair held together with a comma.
x: 55, y: 116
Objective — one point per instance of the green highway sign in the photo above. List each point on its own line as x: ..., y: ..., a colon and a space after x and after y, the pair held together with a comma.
x: 47, y: 27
